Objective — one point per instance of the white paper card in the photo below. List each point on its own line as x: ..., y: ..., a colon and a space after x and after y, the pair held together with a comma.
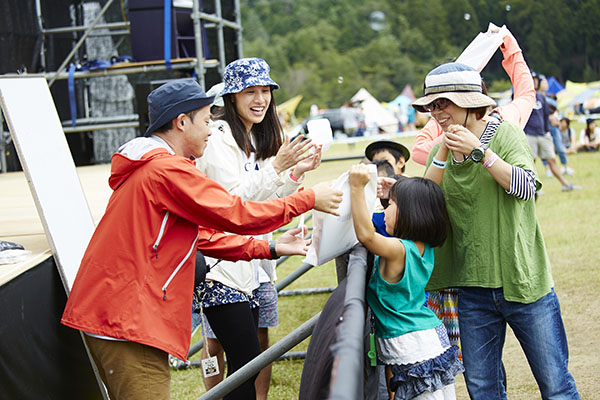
x: 319, y: 130
x: 482, y: 48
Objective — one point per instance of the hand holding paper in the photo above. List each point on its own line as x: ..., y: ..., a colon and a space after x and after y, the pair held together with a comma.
x: 482, y: 48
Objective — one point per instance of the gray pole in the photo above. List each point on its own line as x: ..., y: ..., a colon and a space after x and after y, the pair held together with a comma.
x: 80, y: 42
x: 220, y: 39
x: 238, y: 21
x: 264, y: 359
x: 293, y: 276
x: 199, y: 45
x: 348, y: 352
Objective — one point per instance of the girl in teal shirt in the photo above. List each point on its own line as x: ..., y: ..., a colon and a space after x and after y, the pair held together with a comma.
x: 411, y: 341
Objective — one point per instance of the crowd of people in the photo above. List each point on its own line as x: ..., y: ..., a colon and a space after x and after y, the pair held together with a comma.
x: 457, y: 254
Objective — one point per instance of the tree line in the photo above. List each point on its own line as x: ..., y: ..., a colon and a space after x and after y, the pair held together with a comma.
x: 326, y: 50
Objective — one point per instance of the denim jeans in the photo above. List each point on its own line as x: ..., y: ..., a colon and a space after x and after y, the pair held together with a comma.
x: 559, y: 146
x: 483, y: 314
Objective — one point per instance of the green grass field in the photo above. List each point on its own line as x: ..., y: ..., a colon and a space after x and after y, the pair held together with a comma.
x: 569, y: 222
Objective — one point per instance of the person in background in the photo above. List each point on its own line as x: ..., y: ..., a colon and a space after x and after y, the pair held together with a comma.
x: 568, y: 135
x: 538, y: 135
x: 248, y: 154
x: 132, y: 296
x: 495, y: 252
x: 554, y: 118
x: 384, y: 168
x: 589, y: 138
x: 411, y: 341
x: 394, y: 153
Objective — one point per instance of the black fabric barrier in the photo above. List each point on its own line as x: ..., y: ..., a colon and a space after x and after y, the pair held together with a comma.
x: 39, y: 357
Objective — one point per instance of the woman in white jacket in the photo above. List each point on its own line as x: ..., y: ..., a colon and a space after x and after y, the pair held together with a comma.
x: 249, y: 157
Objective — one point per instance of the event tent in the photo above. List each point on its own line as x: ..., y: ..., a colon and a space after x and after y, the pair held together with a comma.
x: 376, y: 116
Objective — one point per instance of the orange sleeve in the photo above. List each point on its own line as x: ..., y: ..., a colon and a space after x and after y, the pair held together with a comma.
x: 231, y: 247
x: 190, y: 194
x: 429, y: 136
x: 519, y: 110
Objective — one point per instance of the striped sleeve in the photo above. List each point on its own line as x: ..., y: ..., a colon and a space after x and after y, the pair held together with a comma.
x: 522, y: 183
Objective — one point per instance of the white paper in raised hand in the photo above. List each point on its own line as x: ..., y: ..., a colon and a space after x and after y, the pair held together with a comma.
x: 319, y: 130
x: 333, y: 236
x: 482, y: 48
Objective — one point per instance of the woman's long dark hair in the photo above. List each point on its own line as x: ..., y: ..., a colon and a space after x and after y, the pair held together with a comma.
x: 588, y: 129
x: 268, y: 135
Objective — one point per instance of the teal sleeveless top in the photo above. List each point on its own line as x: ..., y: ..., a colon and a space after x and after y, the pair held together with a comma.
x: 399, y: 308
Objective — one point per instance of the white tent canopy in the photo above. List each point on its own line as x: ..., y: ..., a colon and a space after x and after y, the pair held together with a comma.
x: 375, y: 114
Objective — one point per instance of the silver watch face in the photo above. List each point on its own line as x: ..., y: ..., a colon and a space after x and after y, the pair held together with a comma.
x: 477, y: 154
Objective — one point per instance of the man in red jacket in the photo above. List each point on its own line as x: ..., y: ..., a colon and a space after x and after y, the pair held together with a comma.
x: 132, y: 296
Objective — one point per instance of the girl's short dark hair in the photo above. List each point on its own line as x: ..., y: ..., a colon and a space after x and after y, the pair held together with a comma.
x: 422, y: 214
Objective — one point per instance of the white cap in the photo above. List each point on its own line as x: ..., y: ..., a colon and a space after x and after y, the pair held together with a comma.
x: 215, y: 91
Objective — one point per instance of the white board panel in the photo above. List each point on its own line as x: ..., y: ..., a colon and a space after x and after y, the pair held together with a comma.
x: 46, y: 159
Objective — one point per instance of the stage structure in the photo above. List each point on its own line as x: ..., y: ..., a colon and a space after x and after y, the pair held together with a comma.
x: 101, y: 58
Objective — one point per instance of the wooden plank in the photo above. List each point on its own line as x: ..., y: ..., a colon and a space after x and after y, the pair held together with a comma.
x: 47, y: 162
x: 156, y: 62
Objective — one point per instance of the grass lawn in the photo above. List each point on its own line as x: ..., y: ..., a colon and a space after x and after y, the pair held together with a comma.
x: 567, y: 220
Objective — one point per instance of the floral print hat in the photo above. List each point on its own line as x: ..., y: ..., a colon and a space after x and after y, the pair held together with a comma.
x: 246, y: 72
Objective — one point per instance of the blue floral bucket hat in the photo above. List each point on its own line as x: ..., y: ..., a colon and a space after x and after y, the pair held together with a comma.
x: 245, y: 72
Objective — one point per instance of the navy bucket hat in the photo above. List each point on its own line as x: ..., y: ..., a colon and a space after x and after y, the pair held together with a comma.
x: 459, y: 83
x: 173, y: 98
x: 245, y: 72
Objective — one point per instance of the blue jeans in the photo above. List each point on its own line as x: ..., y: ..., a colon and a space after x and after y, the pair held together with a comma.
x: 559, y: 146
x: 483, y: 314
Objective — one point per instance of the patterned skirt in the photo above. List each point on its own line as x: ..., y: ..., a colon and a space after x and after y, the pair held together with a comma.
x: 421, y: 362
x: 444, y: 303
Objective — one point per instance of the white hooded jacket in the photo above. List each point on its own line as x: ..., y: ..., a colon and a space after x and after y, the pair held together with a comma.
x: 223, y: 161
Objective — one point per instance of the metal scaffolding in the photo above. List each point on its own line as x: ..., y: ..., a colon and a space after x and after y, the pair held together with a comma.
x: 199, y: 64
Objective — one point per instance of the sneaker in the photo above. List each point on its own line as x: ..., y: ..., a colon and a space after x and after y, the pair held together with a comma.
x: 570, y: 187
x: 568, y: 171
x: 549, y: 173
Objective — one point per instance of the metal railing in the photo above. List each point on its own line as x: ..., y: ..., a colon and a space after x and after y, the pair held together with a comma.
x: 348, y: 351
x: 347, y: 377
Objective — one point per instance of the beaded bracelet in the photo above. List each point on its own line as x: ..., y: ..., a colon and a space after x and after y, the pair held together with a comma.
x: 292, y: 177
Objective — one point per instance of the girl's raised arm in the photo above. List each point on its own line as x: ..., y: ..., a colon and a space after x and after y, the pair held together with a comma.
x: 363, y: 226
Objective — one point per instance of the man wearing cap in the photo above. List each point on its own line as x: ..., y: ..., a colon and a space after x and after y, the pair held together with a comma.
x: 132, y: 296
x: 394, y: 153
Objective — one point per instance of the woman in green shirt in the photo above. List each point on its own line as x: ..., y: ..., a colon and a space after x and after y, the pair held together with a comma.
x: 495, y: 252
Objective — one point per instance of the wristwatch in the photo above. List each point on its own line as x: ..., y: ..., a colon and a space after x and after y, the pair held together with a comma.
x: 478, y: 153
x: 272, y: 250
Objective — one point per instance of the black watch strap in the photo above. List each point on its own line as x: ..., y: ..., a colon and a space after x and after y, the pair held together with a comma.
x: 272, y: 249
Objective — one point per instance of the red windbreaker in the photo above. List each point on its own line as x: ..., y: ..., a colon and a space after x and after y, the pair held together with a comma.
x: 136, y: 277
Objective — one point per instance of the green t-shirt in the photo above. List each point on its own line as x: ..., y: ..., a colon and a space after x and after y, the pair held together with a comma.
x: 494, y: 240
x: 399, y: 308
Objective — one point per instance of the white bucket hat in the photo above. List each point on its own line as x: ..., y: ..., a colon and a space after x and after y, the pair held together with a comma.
x: 456, y: 82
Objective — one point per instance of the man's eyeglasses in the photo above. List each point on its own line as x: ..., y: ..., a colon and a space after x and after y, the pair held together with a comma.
x: 438, y: 104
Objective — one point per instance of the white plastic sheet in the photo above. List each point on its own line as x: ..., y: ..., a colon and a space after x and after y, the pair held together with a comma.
x: 333, y: 236
x: 482, y: 48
